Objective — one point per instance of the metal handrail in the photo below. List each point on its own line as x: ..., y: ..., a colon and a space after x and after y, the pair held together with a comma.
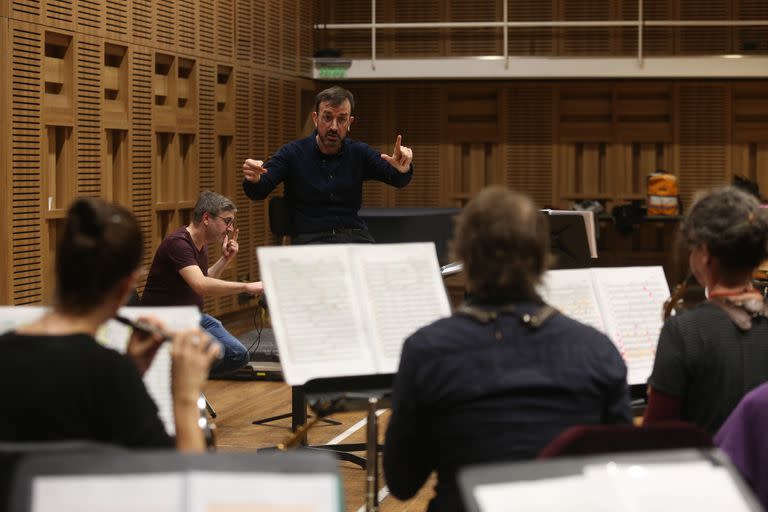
x: 506, y: 25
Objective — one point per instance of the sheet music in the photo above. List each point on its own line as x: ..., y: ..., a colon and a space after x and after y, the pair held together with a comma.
x: 401, y: 292
x: 345, y: 309
x: 623, y: 302
x: 314, y: 312
x: 157, y: 378
x: 215, y: 491
x: 661, y: 487
x: 632, y: 299
x: 12, y: 317
x: 156, y: 492
x: 572, y: 292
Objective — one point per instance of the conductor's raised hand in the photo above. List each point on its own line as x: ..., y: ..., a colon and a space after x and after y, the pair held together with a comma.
x: 230, y: 246
x: 252, y: 170
x: 401, y: 156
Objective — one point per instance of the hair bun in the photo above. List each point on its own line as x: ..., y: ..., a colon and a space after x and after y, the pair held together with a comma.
x: 89, y: 222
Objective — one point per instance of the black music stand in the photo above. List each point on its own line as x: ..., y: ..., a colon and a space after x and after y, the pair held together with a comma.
x: 360, y: 393
x: 568, y: 241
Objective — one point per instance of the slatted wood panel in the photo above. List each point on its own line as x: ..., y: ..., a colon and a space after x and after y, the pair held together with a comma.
x: 186, y: 22
x: 26, y: 258
x: 531, y: 41
x: 6, y: 193
x: 245, y: 41
x: 585, y: 41
x: 704, y: 40
x: 370, y: 126
x: 88, y: 66
x: 751, y: 40
x: 354, y: 43
x: 416, y: 114
x: 475, y: 41
x: 704, y: 134
x: 59, y: 13
x: 585, y: 112
x: 644, y: 112
x: 141, y: 20
x: 117, y: 18
x: 26, y: 9
x: 289, y: 35
x: 528, y: 125
x: 421, y: 42
x: 750, y: 112
x: 249, y: 126
x: 164, y: 22
x: 751, y: 161
x: 142, y: 144
x: 225, y: 29
x: 656, y: 40
x: 307, y: 16
x: 272, y: 60
x: 90, y: 14
x: 205, y: 27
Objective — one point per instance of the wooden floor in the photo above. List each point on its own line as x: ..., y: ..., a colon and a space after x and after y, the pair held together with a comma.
x: 238, y: 403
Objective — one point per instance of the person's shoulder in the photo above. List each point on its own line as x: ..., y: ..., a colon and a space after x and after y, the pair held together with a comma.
x: 446, y: 333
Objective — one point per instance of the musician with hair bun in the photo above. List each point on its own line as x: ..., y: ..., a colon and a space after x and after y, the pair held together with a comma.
x: 504, y: 375
x: 710, y: 356
x: 58, y: 383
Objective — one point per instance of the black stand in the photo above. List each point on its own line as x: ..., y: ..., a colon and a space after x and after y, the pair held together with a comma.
x: 365, y: 393
x: 298, y: 412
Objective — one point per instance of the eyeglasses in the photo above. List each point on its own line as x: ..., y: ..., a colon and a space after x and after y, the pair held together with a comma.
x: 341, y: 121
x: 228, y: 221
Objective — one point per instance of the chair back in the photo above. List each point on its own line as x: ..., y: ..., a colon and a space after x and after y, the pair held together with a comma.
x: 281, y: 219
x: 595, y: 439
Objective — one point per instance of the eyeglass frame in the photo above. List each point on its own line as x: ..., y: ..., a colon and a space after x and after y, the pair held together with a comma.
x: 228, y: 221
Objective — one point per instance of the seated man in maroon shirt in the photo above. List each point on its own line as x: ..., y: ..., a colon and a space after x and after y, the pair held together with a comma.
x: 180, y: 274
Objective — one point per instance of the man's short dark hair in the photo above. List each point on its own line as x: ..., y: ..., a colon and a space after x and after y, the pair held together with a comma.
x: 335, y: 96
x: 503, y: 241
x: 213, y: 203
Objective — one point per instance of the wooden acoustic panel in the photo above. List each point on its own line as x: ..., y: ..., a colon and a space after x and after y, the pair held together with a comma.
x: 26, y: 50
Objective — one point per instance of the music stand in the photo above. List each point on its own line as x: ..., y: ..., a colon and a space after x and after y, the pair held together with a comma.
x: 360, y: 393
x: 568, y: 241
x: 551, y: 473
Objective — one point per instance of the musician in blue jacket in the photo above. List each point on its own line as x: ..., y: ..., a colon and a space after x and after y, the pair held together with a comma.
x: 504, y: 375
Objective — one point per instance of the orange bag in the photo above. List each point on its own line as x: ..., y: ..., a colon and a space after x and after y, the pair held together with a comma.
x: 663, y: 194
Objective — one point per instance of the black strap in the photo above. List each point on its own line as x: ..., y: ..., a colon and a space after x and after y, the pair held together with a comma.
x: 484, y: 316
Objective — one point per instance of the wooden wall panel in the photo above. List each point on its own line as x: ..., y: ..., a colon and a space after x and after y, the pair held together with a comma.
x: 475, y: 42
x: 421, y: 42
x: 141, y: 20
x: 90, y: 16
x: 704, y: 40
x: 585, y: 41
x: 6, y: 196
x: 142, y: 145
x: 117, y: 16
x: 26, y: 45
x: 529, y: 138
x: 371, y: 126
x: 353, y: 43
x: 247, y: 47
x: 206, y: 23
x: 186, y: 25
x: 531, y: 41
x: 751, y: 40
x: 225, y: 29
x: 289, y: 36
x: 416, y: 114
x: 25, y: 9
x: 90, y: 55
x: 703, y: 137
x: 164, y: 29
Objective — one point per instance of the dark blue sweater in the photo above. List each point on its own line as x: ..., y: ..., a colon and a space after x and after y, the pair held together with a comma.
x: 325, y: 192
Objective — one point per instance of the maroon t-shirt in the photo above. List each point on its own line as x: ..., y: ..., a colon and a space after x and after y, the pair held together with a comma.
x: 165, y: 286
